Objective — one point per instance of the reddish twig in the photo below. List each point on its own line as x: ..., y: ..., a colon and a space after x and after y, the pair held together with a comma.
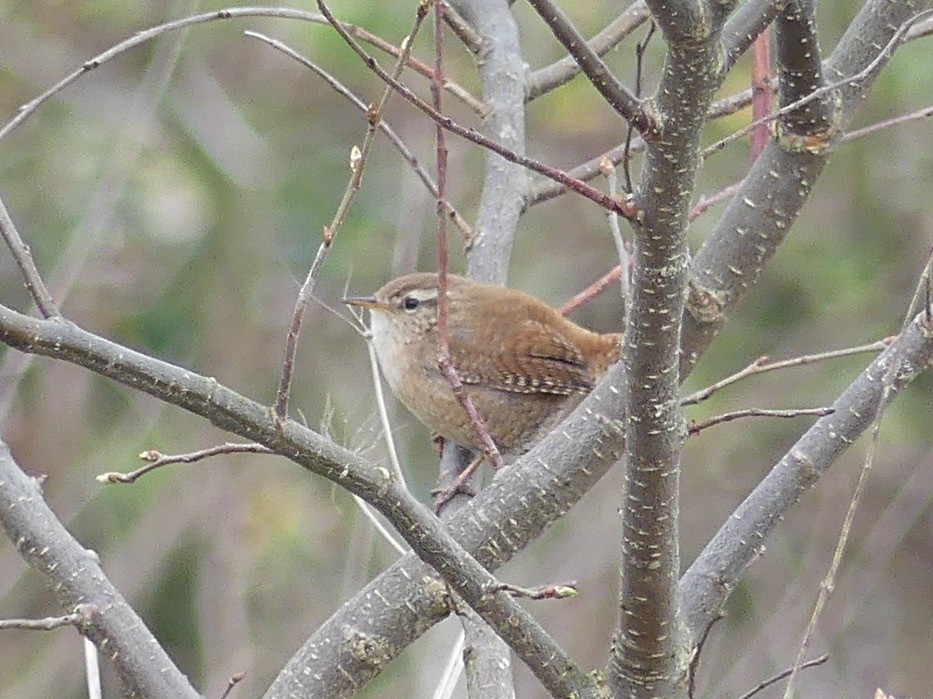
x: 763, y: 364
x: 444, y: 361
x: 705, y: 202
x: 459, y: 485
x: 624, y: 208
x: 613, y: 275
x: 696, y: 427
x: 592, y: 291
x: 553, y: 591
x: 762, y: 94
x: 156, y: 460
x: 898, y: 38
x: 233, y: 682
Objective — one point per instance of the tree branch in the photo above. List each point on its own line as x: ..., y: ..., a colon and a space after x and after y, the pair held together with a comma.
x: 708, y: 582
x: 78, y: 581
x: 546, y: 79
x: 612, y: 90
x: 232, y: 412
x: 759, y: 217
x: 648, y: 656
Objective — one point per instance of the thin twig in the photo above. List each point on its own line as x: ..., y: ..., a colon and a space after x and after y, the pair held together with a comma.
x: 370, y: 514
x: 546, y: 79
x: 552, y: 591
x: 613, y: 275
x: 91, y: 669
x: 829, y: 582
x: 27, y: 266
x: 234, y: 680
x: 445, y: 361
x: 623, y: 247
x: 624, y: 208
x: 763, y: 364
x: 358, y: 159
x: 924, y: 113
x: 697, y: 427
x: 156, y: 460
x: 698, y: 652
x: 459, y: 485
x: 464, y: 31
x: 896, y: 40
x: 383, y: 126
x: 781, y: 675
x: 381, y: 408
x: 77, y: 618
x: 453, y: 668
x: 612, y: 90
x: 922, y: 290
x: 703, y: 205
x: 592, y: 291
x: 640, y: 48
x: 151, y: 33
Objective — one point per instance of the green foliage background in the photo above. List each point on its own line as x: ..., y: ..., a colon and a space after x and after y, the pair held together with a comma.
x: 175, y: 197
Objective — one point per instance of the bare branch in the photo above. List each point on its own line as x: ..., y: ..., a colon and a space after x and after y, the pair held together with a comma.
x: 622, y: 208
x: 232, y: 683
x: 79, y: 584
x: 552, y: 591
x: 82, y: 615
x: 27, y: 267
x: 746, y: 25
x: 781, y: 675
x: 550, y: 77
x: 358, y: 160
x: 776, y: 188
x: 924, y: 113
x: 762, y: 97
x: 382, y: 125
x: 613, y: 91
x: 648, y: 655
x: 800, y: 74
x: 444, y: 361
x: 145, y: 35
x: 697, y: 427
x: 157, y: 460
x: 763, y: 364
x: 854, y: 81
x: 713, y: 575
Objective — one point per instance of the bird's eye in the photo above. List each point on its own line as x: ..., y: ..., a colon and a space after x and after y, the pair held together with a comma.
x: 410, y: 303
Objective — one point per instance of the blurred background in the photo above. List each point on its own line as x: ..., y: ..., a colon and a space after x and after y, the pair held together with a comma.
x: 174, y: 199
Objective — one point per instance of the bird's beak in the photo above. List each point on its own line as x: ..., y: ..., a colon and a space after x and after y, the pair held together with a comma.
x: 369, y: 302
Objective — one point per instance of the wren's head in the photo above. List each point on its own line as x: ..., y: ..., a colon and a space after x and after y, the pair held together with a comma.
x: 402, y: 310
x: 404, y: 313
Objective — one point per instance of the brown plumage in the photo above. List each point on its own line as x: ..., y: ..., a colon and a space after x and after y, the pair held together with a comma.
x: 524, y: 365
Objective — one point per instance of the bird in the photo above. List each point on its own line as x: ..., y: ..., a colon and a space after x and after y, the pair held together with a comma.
x: 524, y: 365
